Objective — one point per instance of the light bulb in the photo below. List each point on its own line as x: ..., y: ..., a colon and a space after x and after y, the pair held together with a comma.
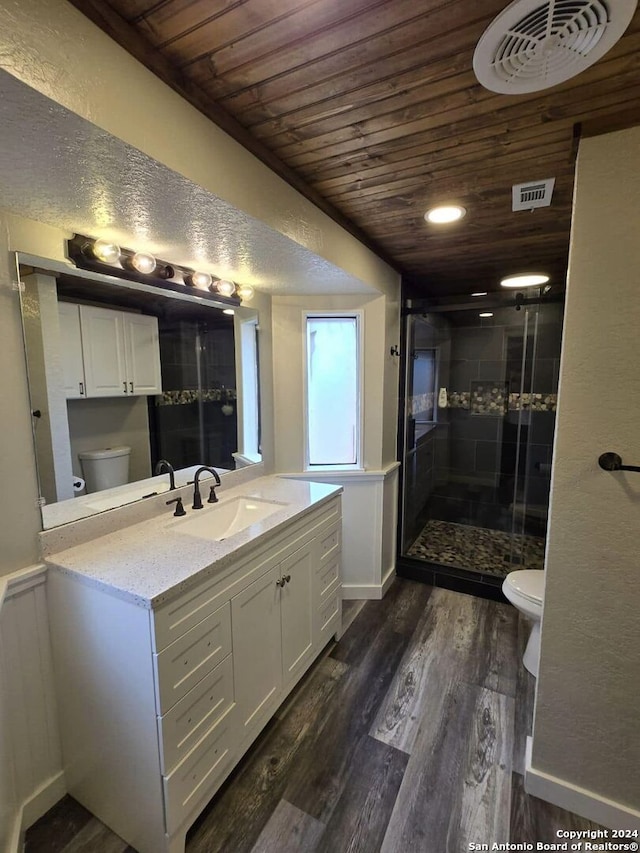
x: 486, y: 314
x: 225, y: 288
x: 245, y: 292
x: 528, y: 279
x: 201, y: 280
x: 144, y: 263
x: 480, y: 293
x: 105, y: 250
x: 228, y: 311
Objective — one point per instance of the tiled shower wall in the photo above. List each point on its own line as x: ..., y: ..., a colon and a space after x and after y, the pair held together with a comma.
x: 483, y: 447
x: 493, y: 422
x: 192, y: 391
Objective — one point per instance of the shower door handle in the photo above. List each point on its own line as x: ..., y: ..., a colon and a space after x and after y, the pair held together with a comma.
x: 613, y: 462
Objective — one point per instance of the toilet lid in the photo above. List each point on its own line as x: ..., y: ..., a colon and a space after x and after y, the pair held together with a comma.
x: 529, y: 583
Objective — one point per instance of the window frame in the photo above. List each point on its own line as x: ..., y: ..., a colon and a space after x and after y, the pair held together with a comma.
x: 358, y: 316
x: 250, y: 421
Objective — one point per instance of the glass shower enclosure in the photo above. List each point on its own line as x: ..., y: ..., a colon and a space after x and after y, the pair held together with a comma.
x: 479, y: 406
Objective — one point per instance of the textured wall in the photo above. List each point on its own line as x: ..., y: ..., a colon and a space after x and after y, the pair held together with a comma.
x: 587, y: 720
x: 108, y: 422
x: 288, y: 349
x: 19, y: 515
x: 56, y: 50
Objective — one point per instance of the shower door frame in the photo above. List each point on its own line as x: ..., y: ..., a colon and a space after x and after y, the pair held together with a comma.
x: 451, y: 577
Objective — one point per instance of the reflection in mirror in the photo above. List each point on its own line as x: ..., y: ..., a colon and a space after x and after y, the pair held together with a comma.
x: 123, y: 377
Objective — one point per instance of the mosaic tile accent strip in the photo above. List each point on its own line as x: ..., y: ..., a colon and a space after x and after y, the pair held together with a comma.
x: 421, y: 403
x: 481, y: 405
x: 181, y: 398
x: 489, y: 399
x: 477, y: 548
x: 458, y: 399
x: 533, y: 402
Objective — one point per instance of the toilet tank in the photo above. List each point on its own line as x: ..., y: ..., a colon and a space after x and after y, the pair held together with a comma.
x: 105, y: 468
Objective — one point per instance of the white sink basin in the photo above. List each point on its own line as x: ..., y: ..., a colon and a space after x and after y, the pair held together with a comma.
x: 223, y: 520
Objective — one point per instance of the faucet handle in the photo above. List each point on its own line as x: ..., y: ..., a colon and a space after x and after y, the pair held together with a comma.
x: 213, y: 498
x: 180, y: 510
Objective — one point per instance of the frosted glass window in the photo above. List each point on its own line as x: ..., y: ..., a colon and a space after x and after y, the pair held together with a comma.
x: 333, y: 390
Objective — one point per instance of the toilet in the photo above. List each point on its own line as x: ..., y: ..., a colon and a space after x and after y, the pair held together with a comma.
x: 106, y: 468
x: 525, y: 590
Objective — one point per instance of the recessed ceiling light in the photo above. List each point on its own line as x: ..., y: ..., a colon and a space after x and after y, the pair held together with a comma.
x: 529, y: 279
x: 480, y: 293
x: 445, y: 213
x: 486, y: 314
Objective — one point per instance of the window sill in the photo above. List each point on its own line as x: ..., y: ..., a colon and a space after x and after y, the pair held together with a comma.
x: 327, y: 469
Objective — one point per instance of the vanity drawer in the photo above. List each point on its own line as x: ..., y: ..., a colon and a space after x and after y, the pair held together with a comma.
x: 173, y: 618
x: 186, y: 661
x: 329, y: 614
x: 329, y: 543
x: 327, y: 577
x: 190, y: 718
x: 196, y: 779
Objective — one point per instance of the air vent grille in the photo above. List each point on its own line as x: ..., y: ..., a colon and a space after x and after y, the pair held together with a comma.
x: 532, y: 45
x: 533, y: 194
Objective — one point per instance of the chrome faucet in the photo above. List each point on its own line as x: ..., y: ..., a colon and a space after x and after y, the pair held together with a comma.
x: 163, y: 466
x: 213, y: 498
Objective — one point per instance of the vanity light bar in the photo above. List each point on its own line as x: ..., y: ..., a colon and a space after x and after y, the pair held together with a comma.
x: 106, y: 257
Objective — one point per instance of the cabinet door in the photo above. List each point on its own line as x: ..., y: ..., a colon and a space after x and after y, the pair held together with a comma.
x: 257, y: 660
x: 297, y: 612
x: 103, y: 347
x: 143, y: 354
x: 71, y: 349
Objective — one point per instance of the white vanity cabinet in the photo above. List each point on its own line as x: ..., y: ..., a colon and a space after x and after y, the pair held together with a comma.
x: 109, y: 353
x: 273, y: 614
x: 158, y: 705
x: 71, y: 351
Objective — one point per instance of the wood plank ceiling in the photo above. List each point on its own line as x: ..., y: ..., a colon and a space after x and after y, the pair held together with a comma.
x: 372, y: 109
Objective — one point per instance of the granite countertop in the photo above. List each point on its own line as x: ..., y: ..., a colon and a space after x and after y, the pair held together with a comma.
x: 152, y: 561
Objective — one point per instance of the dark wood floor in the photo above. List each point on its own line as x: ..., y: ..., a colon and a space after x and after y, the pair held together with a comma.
x: 407, y: 735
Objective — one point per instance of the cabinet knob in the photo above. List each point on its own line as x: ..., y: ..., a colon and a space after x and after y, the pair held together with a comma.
x: 81, y: 387
x: 280, y: 582
x: 131, y: 387
x: 288, y: 578
x: 124, y: 387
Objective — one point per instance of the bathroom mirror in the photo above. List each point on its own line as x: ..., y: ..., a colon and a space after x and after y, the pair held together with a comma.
x: 123, y: 375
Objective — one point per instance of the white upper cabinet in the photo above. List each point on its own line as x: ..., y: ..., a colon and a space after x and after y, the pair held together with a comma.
x: 119, y: 352
x: 142, y: 354
x: 71, y: 351
x: 103, y: 351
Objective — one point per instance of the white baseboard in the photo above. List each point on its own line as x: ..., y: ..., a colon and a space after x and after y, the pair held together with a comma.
x: 43, y: 799
x: 388, y: 579
x: 32, y: 809
x: 578, y: 800
x: 15, y: 842
x: 372, y: 591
